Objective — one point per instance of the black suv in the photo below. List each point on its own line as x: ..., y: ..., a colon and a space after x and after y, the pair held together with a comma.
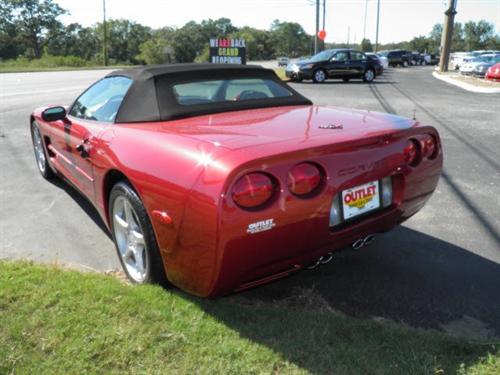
x: 335, y: 63
x: 398, y: 57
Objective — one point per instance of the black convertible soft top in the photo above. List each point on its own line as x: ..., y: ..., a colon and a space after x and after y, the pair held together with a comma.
x: 151, y: 96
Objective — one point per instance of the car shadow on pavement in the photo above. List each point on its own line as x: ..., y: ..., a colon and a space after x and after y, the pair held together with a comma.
x: 84, y: 204
x: 405, y: 276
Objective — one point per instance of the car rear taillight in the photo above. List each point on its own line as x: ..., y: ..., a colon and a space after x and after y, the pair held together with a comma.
x: 411, y: 152
x: 304, y: 179
x: 428, y: 143
x: 253, y: 190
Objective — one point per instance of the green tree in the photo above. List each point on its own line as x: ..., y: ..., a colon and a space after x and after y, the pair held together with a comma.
x: 73, y: 40
x: 158, y: 49
x: 477, y: 34
x: 9, y: 48
x: 33, y: 20
x: 124, y: 39
x: 289, y: 39
x: 259, y: 43
x: 366, y: 45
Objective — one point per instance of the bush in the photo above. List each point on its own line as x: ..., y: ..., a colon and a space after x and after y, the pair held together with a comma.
x: 46, y: 61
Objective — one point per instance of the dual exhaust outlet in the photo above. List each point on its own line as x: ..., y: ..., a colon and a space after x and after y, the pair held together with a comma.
x: 357, y: 245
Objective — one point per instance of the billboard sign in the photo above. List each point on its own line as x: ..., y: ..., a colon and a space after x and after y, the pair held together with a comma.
x: 227, y: 51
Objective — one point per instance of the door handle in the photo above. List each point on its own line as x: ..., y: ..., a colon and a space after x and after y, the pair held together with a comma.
x: 83, y: 148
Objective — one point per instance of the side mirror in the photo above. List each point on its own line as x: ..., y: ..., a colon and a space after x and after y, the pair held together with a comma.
x: 54, y: 114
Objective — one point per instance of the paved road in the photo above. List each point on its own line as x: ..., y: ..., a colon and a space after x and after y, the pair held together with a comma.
x: 441, y: 268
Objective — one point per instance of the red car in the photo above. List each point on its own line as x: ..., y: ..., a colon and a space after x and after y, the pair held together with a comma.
x: 218, y: 178
x: 493, y: 73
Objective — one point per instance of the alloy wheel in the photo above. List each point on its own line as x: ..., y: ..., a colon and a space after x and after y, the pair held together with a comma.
x: 39, y: 151
x: 369, y: 76
x: 130, y: 239
x: 319, y: 76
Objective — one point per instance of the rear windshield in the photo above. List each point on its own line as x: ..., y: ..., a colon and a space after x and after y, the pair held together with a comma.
x: 216, y: 91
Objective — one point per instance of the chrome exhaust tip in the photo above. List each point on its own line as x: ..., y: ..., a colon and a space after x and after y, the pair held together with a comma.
x: 358, y: 244
x: 321, y: 260
x: 369, y: 239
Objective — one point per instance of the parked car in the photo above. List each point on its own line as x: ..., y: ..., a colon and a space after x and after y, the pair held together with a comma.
x: 416, y: 58
x: 429, y: 59
x: 219, y: 178
x: 485, y: 52
x: 397, y: 57
x: 342, y: 64
x: 481, y: 69
x: 283, y: 61
x: 460, y: 58
x: 382, y: 59
x: 493, y: 73
x: 479, y: 65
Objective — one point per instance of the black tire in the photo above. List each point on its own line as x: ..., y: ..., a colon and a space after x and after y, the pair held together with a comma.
x: 41, y: 157
x: 319, y: 76
x: 345, y: 79
x: 155, y: 272
x: 369, y: 75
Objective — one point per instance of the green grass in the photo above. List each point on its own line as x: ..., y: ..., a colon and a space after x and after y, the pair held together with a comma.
x: 281, y: 73
x: 65, y: 322
x: 50, y: 63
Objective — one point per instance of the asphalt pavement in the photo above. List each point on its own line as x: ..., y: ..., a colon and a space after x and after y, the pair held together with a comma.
x: 440, y: 269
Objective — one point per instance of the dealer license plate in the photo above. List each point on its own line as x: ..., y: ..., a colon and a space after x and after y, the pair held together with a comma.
x: 360, y: 199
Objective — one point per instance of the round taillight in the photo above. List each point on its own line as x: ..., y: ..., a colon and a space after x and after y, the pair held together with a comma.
x: 428, y: 146
x: 411, y: 152
x: 253, y: 190
x: 304, y: 179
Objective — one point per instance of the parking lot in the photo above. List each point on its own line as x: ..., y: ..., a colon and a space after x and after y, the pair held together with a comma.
x: 440, y: 269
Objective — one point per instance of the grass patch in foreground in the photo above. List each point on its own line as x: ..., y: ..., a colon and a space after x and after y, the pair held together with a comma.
x: 55, y: 322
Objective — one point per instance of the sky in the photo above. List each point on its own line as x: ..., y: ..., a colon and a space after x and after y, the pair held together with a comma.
x: 399, y: 19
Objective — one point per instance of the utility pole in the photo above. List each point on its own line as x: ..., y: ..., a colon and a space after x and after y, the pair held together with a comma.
x: 348, y: 35
x: 366, y: 13
x: 105, y: 37
x: 317, y: 28
x: 449, y: 18
x: 378, y: 20
x: 324, y: 14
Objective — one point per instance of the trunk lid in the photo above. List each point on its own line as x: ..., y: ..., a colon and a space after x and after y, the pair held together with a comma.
x: 303, y: 126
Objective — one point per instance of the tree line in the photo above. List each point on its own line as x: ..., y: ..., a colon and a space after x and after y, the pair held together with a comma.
x: 31, y: 29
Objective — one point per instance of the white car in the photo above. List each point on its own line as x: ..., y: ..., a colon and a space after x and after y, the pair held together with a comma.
x: 460, y: 58
x: 469, y: 67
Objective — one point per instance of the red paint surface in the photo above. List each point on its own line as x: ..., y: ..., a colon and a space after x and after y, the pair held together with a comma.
x: 187, y: 168
x: 493, y: 73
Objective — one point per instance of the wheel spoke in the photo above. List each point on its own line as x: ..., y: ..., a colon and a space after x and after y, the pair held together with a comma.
x: 129, y: 216
x: 130, y: 239
x: 139, y: 261
x: 139, y: 238
x: 121, y: 223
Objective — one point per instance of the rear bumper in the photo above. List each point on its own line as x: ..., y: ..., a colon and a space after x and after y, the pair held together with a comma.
x: 217, y: 254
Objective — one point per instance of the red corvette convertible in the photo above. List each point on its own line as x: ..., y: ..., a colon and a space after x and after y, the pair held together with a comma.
x: 218, y: 178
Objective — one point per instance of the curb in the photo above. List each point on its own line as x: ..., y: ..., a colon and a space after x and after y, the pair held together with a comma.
x: 466, y: 86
